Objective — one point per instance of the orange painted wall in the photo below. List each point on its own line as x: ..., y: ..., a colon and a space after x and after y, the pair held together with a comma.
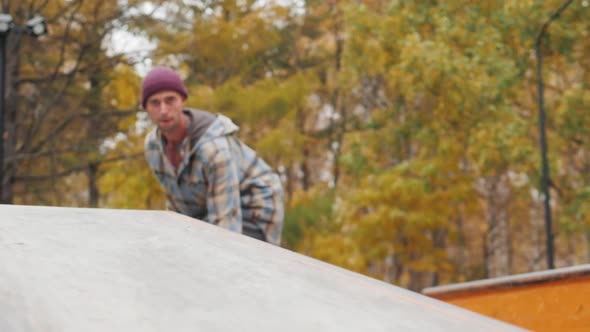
x: 552, y: 306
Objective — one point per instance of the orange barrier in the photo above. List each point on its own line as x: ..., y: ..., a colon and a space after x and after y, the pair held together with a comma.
x: 554, y: 300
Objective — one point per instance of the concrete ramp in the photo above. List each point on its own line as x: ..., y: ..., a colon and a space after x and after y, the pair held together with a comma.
x: 67, y: 269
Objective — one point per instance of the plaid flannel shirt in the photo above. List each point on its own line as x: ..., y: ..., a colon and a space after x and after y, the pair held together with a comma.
x: 220, y: 180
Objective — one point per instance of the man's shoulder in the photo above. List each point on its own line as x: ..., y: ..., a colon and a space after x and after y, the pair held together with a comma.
x: 212, y: 147
x: 216, y: 135
x: 221, y: 126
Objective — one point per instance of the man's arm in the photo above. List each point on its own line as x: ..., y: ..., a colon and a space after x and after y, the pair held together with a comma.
x: 223, y: 189
x: 170, y: 204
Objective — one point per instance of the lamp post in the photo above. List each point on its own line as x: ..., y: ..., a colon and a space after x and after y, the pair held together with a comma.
x: 36, y: 27
x: 546, y: 180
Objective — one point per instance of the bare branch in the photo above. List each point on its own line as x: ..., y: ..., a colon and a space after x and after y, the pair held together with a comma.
x: 75, y: 169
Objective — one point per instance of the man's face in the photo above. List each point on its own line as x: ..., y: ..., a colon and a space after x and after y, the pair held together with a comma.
x: 165, y: 109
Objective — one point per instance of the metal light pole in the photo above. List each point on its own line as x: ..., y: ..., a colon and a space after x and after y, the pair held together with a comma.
x: 544, y: 162
x: 5, y: 26
x: 36, y: 26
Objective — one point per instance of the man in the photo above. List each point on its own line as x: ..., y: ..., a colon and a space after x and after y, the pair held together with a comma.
x: 205, y: 170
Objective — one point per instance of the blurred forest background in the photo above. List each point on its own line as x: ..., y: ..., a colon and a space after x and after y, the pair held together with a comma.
x: 406, y: 132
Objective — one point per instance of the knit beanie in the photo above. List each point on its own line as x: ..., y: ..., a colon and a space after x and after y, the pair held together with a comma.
x: 161, y: 79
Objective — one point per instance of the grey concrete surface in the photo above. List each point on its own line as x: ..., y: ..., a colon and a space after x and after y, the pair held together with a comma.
x: 67, y: 269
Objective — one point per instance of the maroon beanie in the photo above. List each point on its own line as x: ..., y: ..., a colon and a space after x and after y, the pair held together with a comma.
x: 161, y: 79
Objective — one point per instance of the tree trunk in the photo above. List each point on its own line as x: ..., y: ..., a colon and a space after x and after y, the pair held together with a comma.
x: 10, y: 113
x: 337, y: 103
x: 537, y: 236
x: 498, y: 246
x: 94, y: 104
x: 289, y: 185
x: 93, y: 190
x: 305, y: 183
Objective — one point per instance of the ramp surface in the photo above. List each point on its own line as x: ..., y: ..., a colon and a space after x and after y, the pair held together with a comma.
x: 67, y: 269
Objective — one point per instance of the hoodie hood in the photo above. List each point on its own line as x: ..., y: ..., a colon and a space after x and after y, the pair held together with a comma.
x: 198, y: 123
x: 221, y: 126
